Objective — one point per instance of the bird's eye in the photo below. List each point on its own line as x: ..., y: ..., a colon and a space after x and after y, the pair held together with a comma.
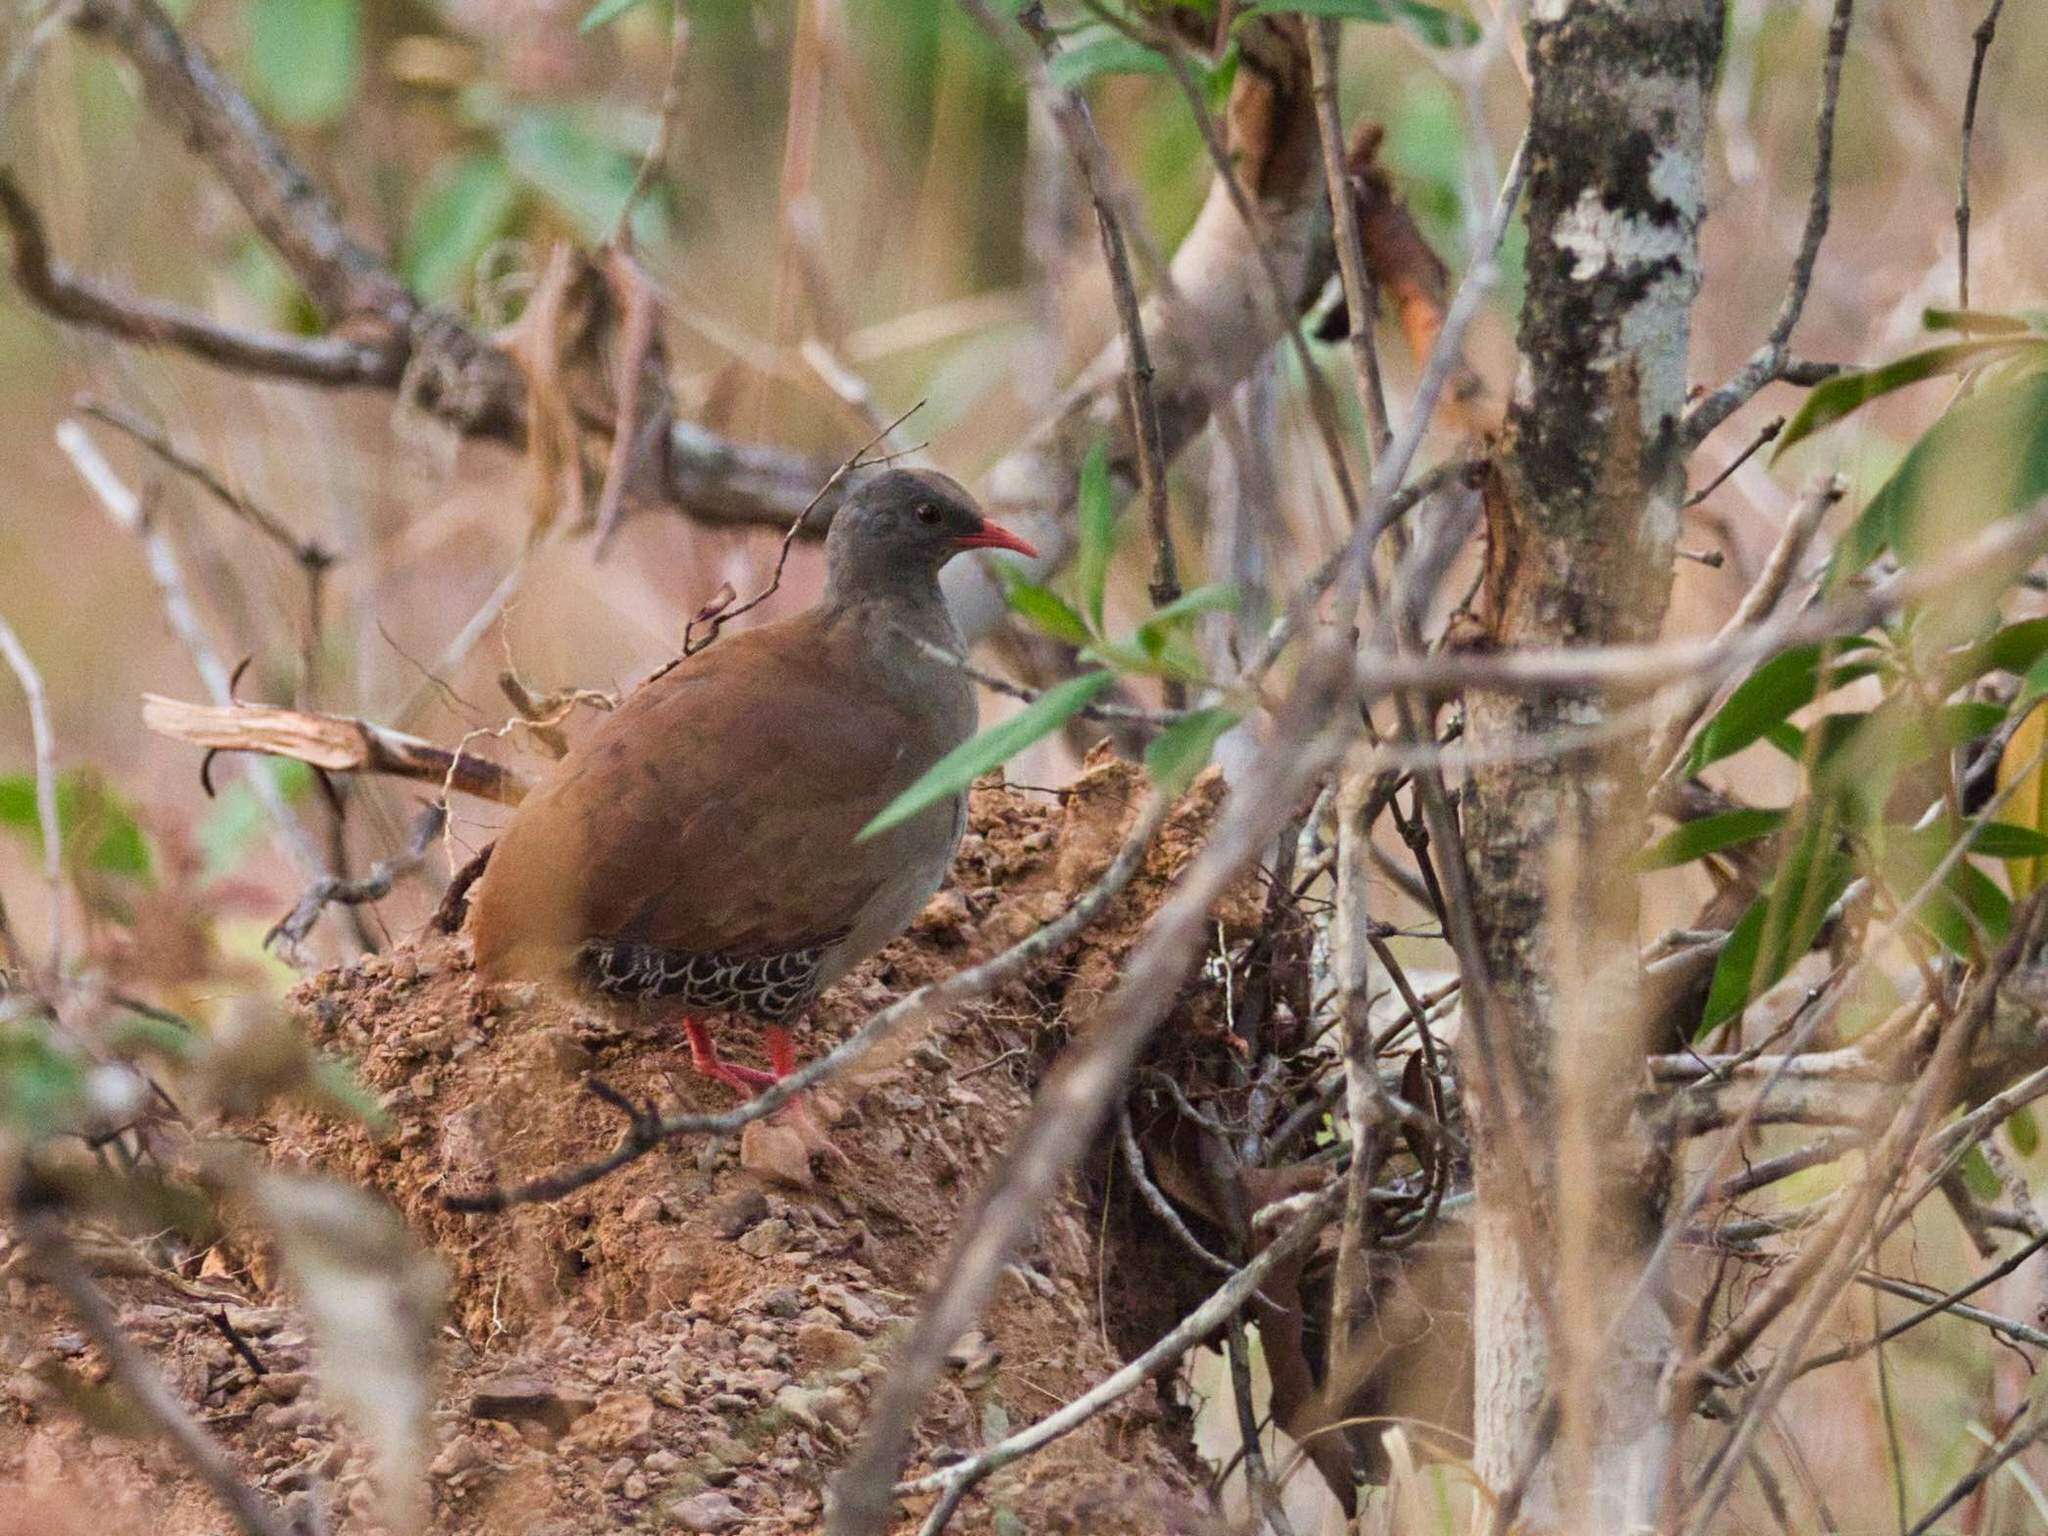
x: 928, y: 515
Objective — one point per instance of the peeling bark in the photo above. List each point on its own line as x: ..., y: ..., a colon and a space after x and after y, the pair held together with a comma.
x: 1582, y: 515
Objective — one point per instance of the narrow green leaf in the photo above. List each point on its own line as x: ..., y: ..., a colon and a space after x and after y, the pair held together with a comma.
x: 1097, y: 513
x: 335, y: 1083
x: 2003, y: 840
x: 1205, y: 599
x: 1112, y: 55
x: 467, y: 205
x: 98, y: 827
x: 1434, y: 25
x: 305, y: 57
x: 1832, y: 399
x: 1047, y: 611
x: 951, y: 774
x: 1710, y: 834
x: 1988, y: 321
x: 1182, y: 750
x: 562, y: 155
x: 1728, y: 992
x: 608, y: 11
x: 1788, y: 681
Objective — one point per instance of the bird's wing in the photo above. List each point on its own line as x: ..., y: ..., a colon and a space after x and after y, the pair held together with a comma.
x: 715, y: 811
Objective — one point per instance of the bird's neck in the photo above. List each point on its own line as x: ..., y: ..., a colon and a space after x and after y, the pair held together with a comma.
x: 914, y: 608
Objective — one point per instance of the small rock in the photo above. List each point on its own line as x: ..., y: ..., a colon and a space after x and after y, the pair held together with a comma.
x: 517, y: 1397
x: 776, y: 1152
x: 635, y: 1487
x: 662, y: 1462
x: 770, y: 1237
x: 839, y: 1408
x: 735, y: 1214
x: 615, y: 1475
x: 705, y: 1512
x: 457, y: 1456
x: 820, y: 1347
x: 621, y: 1421
x: 800, y: 1404
x: 784, y: 1301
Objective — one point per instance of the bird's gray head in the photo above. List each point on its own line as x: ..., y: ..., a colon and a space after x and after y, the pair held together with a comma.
x: 894, y: 532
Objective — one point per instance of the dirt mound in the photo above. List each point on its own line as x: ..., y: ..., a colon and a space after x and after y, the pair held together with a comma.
x: 686, y: 1345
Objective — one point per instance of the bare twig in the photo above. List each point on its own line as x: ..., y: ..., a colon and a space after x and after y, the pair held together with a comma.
x: 1077, y: 127
x: 1351, y: 255
x: 1222, y: 1304
x: 308, y: 553
x: 1765, y: 434
x: 45, y: 743
x: 374, y: 886
x: 649, y: 1130
x: 1987, y: 29
x: 665, y: 127
x: 61, y: 1266
x: 1768, y: 361
x: 1155, y: 1200
x: 328, y: 360
x: 1265, y: 1497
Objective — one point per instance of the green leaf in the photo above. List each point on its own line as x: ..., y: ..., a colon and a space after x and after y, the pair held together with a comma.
x: 2023, y: 1131
x: 1434, y: 25
x: 1787, y: 682
x: 1985, y: 458
x: 41, y: 1088
x: 556, y: 153
x: 1728, y: 993
x: 1989, y: 322
x: 1097, y: 513
x: 468, y: 204
x: 1047, y: 611
x: 1710, y: 834
x: 1111, y: 55
x: 2003, y: 840
x: 1834, y: 398
x: 1182, y: 750
x: 97, y: 826
x: 1979, y: 1175
x: 608, y: 11
x: 2015, y: 648
x: 305, y: 57
x: 951, y: 774
x: 1216, y: 596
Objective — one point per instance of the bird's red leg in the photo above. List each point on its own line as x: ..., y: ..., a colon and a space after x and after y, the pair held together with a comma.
x: 705, y: 1059
x: 796, y: 1113
x: 781, y: 1051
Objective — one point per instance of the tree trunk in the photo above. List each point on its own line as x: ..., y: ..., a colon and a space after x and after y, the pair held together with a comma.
x: 1582, y: 517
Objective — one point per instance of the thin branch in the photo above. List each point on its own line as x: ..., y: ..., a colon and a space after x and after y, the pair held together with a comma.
x: 1359, y: 293
x: 1221, y: 1305
x: 649, y: 1130
x: 665, y: 128
x: 1077, y: 127
x: 1644, y: 668
x: 56, y: 289
x: 1264, y: 1495
x: 1155, y: 1200
x: 59, y: 1263
x: 2030, y: 1428
x: 1987, y: 29
x: 45, y: 743
x: 1768, y: 361
x: 1766, y: 434
x: 374, y: 886
x: 308, y: 553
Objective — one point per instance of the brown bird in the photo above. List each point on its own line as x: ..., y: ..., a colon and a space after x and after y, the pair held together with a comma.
x: 696, y: 855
